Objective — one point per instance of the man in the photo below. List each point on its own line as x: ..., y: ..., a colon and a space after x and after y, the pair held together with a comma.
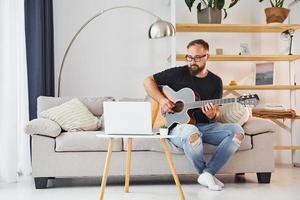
x: 207, y: 85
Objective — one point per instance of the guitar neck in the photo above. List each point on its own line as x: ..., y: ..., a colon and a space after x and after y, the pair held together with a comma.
x: 200, y: 104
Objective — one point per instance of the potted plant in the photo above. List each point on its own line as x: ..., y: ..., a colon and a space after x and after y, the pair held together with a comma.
x: 210, y: 11
x: 163, y: 130
x: 276, y: 13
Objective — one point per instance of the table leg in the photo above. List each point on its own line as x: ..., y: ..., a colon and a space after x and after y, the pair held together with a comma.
x: 128, y: 165
x: 172, y: 167
x: 106, y: 168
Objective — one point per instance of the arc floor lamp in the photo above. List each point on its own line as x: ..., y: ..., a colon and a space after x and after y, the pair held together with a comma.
x: 159, y: 29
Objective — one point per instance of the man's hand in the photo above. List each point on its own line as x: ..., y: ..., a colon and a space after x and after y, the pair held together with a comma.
x: 210, y: 110
x: 166, y: 105
x: 153, y: 91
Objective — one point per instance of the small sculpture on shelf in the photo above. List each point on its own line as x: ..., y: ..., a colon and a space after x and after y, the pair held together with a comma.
x: 233, y: 83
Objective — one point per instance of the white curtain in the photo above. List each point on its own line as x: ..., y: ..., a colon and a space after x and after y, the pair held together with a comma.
x: 14, y: 144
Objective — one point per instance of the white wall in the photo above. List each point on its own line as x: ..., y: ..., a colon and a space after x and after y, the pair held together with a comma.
x: 113, y: 55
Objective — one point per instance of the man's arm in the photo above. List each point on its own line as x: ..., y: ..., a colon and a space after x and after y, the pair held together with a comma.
x: 153, y: 91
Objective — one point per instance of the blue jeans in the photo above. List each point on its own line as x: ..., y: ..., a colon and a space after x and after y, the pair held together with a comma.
x: 221, y: 135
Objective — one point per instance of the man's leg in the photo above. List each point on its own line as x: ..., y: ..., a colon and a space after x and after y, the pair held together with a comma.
x: 191, y: 143
x: 228, y: 137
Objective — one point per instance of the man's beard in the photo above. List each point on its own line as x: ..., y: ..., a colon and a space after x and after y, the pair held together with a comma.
x: 195, y: 69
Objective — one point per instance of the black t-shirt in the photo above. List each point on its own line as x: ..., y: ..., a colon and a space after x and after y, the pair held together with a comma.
x: 209, y: 87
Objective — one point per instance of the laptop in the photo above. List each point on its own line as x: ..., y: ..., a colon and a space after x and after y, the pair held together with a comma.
x: 130, y: 118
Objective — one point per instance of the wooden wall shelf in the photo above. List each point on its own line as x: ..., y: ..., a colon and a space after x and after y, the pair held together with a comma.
x: 241, y: 28
x: 262, y: 87
x: 286, y: 147
x: 181, y: 57
x: 248, y: 28
x: 297, y: 117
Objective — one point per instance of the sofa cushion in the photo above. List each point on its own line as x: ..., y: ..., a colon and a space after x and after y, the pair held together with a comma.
x: 256, y: 125
x: 72, y: 116
x: 84, y: 141
x: 142, y: 144
x: 233, y: 113
x: 41, y: 126
x: 94, y: 104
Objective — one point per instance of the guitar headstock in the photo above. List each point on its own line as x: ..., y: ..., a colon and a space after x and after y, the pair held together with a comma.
x: 248, y: 99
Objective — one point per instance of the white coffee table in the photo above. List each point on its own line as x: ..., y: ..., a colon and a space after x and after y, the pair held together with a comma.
x: 128, y: 162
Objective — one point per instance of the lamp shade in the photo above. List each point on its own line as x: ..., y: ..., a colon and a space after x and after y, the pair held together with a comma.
x: 160, y: 29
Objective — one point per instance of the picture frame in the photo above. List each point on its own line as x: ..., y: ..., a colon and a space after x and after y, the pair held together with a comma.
x: 245, y: 50
x: 264, y: 73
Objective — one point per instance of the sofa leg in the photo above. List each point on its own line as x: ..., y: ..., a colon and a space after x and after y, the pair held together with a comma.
x: 263, y: 177
x: 41, y: 182
x: 239, y: 178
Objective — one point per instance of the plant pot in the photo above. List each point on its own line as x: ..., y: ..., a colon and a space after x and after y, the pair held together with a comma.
x: 209, y: 16
x: 163, y: 131
x: 276, y: 15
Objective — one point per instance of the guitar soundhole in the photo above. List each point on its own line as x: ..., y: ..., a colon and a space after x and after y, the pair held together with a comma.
x: 178, y: 106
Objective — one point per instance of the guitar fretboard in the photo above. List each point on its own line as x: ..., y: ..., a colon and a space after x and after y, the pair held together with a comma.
x: 200, y: 104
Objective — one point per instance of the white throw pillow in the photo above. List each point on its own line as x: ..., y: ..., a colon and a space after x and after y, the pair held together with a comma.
x: 234, y: 113
x: 72, y: 116
x: 43, y: 127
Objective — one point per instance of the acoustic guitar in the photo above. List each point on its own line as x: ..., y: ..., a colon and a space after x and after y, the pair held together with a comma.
x: 184, y: 100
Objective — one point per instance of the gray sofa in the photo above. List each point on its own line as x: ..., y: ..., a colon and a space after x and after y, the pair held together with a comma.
x: 82, y: 154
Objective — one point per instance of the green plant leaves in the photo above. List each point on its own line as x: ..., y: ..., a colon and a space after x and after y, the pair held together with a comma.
x: 189, y: 4
x: 272, y: 4
x: 233, y: 2
x: 199, y: 7
x: 202, y: 5
x: 280, y: 3
x: 225, y: 13
x: 275, y: 3
x: 219, y: 4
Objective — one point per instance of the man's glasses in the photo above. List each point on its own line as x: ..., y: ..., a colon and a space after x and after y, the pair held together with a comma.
x: 197, y: 58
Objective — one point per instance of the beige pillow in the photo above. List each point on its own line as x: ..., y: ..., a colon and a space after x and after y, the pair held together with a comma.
x: 43, y: 127
x: 72, y: 116
x: 234, y: 113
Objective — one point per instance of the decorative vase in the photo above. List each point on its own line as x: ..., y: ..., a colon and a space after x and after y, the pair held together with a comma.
x: 163, y: 131
x: 276, y: 15
x: 209, y: 16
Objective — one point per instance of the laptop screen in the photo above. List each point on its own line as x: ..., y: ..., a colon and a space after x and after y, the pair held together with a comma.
x: 127, y: 118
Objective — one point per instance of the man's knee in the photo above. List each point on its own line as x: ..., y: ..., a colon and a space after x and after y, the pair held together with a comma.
x: 188, y: 129
x: 192, y: 134
x: 236, y: 129
x: 193, y: 138
x: 238, y: 138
